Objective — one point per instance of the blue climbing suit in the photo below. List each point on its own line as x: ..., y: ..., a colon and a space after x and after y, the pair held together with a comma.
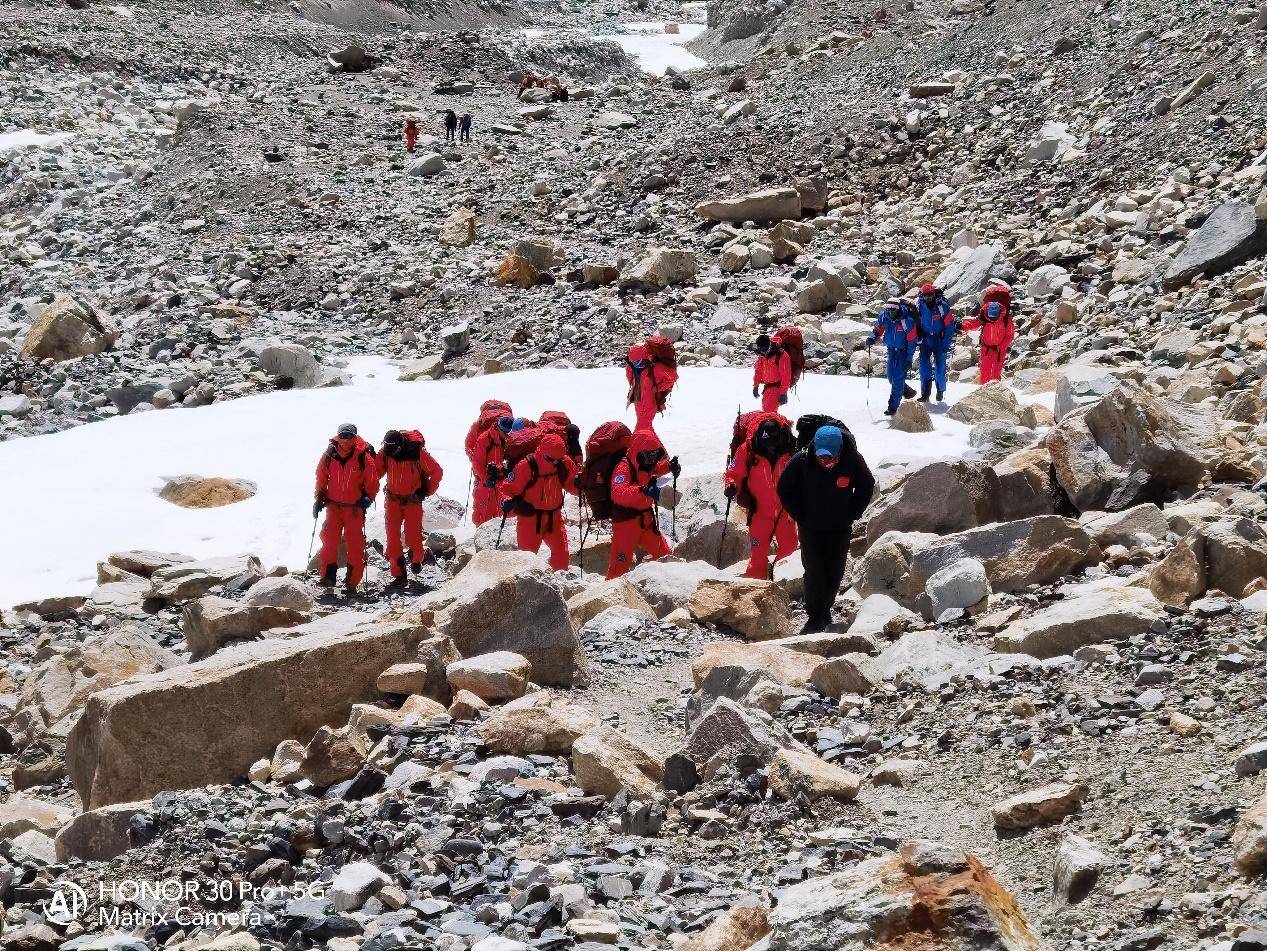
x: 937, y: 328
x: 897, y: 330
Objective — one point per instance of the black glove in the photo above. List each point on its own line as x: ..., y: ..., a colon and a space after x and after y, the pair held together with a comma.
x: 364, y: 503
x: 507, y: 504
x: 675, y: 467
x: 783, y: 400
x: 419, y: 496
x: 652, y: 491
x: 731, y: 490
x: 754, y: 392
x: 317, y: 506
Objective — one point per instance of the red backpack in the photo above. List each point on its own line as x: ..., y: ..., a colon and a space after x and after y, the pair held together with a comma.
x: 789, y: 339
x: 745, y: 432
x: 661, y: 350
x: 999, y: 293
x: 604, y: 449
x: 415, y: 443
x: 490, y: 412
x: 521, y: 443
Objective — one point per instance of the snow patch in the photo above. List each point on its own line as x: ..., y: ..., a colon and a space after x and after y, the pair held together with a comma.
x: 656, y: 51
x: 29, y: 138
x: 81, y: 494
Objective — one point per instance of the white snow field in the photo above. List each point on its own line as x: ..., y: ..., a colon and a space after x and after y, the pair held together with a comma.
x: 74, y: 497
x: 655, y: 50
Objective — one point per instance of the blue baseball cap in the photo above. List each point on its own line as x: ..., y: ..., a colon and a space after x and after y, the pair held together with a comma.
x: 828, y: 441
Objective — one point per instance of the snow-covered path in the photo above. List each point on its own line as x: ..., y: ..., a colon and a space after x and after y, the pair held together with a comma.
x: 74, y: 497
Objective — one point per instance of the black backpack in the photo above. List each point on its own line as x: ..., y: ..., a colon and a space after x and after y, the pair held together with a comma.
x: 811, y: 423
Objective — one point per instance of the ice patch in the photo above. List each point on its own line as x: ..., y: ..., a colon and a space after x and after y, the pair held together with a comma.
x: 656, y: 51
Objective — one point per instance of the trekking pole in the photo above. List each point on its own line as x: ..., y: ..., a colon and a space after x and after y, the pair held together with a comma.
x: 585, y: 527
x: 501, y: 528
x: 311, y: 541
x: 673, y: 513
x: 725, y: 526
x: 774, y: 544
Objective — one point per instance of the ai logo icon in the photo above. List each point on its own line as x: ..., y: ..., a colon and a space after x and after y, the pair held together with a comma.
x: 67, y: 904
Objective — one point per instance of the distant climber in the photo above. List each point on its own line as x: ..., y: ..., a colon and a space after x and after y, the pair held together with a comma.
x: 464, y: 127
x: 450, y: 125
x: 897, y: 328
x: 651, y: 370
x: 936, y: 340
x: 825, y: 487
x: 995, y: 319
x: 347, y: 482
x: 412, y: 476
x: 411, y: 134
x: 780, y: 363
x: 534, y: 490
x: 635, y: 498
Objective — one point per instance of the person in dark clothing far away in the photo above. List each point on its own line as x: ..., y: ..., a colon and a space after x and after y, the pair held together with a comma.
x: 825, y: 488
x: 450, y: 125
x: 464, y: 127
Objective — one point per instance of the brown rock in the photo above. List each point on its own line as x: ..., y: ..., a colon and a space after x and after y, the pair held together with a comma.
x: 518, y: 271
x: 795, y: 772
x: 501, y: 675
x: 332, y: 756
x: 207, y: 722
x: 195, y: 492
x: 1249, y: 841
x: 1180, y: 577
x: 736, y: 929
x: 1040, y: 806
x: 756, y: 608
x: 791, y: 667
x: 99, y: 835
x: 542, y: 722
x: 605, y: 761
x: 466, y: 706
x: 66, y: 329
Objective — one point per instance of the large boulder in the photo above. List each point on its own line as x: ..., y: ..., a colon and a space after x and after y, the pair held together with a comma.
x: 501, y: 675
x: 971, y: 269
x: 207, y: 722
x: 1232, y: 234
x: 293, y: 362
x: 20, y: 814
x: 756, y: 608
x: 1082, y: 386
x: 771, y: 204
x: 508, y: 600
x: 994, y: 401
x: 709, y: 533
x: 959, y: 585
x: 929, y: 658
x: 66, y: 329
x: 57, y: 688
x: 668, y: 585
x: 794, y: 773
x: 1028, y: 486
x: 939, y: 498
x: 212, y: 622
x: 885, y: 567
x: 929, y: 895
x: 606, y: 762
x: 1132, y: 447
x: 100, y: 835
x: 790, y: 667
x: 735, y: 929
x: 1089, y: 614
x: 727, y: 730
x: 1016, y: 554
x: 1249, y: 840
x: 187, y: 580
x: 662, y: 267
x: 542, y: 722
x: 1235, y: 554
x: 597, y: 598
x: 1142, y: 525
